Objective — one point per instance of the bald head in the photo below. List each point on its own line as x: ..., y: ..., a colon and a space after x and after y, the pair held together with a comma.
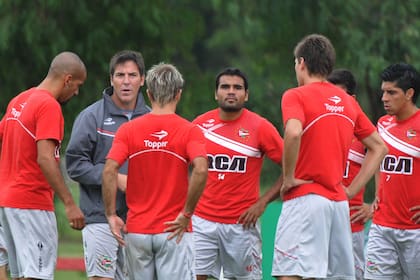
x: 67, y: 63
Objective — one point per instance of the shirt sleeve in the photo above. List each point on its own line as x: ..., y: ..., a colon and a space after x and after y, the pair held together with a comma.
x: 196, y: 146
x: 49, y: 121
x: 292, y: 107
x: 363, y: 126
x: 271, y: 141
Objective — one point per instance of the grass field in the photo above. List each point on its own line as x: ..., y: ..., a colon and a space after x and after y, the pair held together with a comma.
x: 70, y: 248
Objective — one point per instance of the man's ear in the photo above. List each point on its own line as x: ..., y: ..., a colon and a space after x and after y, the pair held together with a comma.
x: 409, y: 94
x: 149, y: 95
x: 67, y: 79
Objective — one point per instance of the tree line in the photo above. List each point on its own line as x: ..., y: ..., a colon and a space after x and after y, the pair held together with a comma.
x: 202, y: 37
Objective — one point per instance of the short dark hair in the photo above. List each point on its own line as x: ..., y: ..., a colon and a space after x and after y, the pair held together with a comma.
x: 318, y: 53
x: 230, y: 71
x: 127, y: 55
x: 405, y: 77
x: 345, y: 78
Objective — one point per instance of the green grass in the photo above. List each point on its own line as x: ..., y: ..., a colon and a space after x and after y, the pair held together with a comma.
x: 70, y: 247
x: 70, y: 275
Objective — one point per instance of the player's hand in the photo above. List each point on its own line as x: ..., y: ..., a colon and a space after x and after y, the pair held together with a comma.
x: 75, y: 216
x: 177, y: 227
x: 416, y: 217
x: 363, y: 213
x: 250, y: 217
x: 117, y: 226
x: 349, y: 193
x: 288, y: 184
x: 375, y: 204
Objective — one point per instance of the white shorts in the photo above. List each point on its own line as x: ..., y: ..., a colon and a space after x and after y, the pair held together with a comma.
x: 358, y: 253
x: 153, y: 256
x: 3, y: 251
x: 31, y: 242
x: 229, y: 246
x: 313, y: 239
x: 392, y: 253
x: 103, y: 256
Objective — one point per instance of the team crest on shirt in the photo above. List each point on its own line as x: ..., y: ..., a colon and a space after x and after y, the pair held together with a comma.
x: 243, y: 133
x: 411, y: 133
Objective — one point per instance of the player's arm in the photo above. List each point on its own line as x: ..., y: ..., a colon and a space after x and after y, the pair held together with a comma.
x: 51, y: 170
x: 376, y: 151
x: 292, y: 137
x: 250, y: 217
x: 109, y: 194
x: 196, y: 186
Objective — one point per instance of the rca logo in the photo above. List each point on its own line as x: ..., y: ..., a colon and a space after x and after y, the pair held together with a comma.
x: 397, y: 165
x: 226, y: 164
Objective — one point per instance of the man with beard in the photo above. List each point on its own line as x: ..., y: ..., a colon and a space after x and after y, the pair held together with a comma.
x: 225, y: 223
x: 31, y: 132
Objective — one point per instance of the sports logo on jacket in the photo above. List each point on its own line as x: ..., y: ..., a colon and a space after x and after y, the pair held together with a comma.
x: 108, y: 121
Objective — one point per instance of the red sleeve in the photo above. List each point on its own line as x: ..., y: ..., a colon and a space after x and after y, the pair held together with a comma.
x: 271, y: 141
x: 49, y: 121
x: 292, y: 107
x: 363, y: 126
x: 119, y: 150
x: 196, y: 146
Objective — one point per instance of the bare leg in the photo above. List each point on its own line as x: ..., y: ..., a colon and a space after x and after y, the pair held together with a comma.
x: 3, y: 273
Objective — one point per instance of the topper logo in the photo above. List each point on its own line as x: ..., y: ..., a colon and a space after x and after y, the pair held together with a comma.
x: 335, y: 99
x: 160, y: 134
x: 209, y: 123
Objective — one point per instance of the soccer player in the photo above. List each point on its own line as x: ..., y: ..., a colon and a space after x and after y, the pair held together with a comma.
x: 393, y: 246
x: 31, y: 132
x: 226, y: 228
x: 360, y: 212
x: 313, y: 237
x: 90, y: 141
x: 160, y: 147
